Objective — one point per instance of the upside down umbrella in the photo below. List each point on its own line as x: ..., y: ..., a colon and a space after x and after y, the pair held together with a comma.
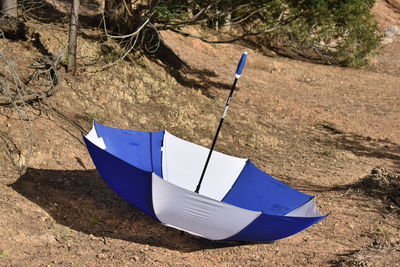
x: 159, y: 173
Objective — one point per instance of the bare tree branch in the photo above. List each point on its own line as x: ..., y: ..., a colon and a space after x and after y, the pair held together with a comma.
x: 206, y: 39
x: 21, y: 89
x: 51, y: 67
x: 126, y: 35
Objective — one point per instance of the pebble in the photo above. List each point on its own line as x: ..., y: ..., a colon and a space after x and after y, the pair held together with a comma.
x: 101, y: 256
x: 391, y: 33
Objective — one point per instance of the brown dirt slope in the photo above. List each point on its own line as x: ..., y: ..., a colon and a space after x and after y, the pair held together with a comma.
x: 387, y: 13
x: 321, y: 129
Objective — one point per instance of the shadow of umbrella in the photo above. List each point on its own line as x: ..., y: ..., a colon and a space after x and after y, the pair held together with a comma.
x: 79, y: 199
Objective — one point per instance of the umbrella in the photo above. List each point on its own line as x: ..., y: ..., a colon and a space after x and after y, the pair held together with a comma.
x: 232, y: 200
x: 159, y: 173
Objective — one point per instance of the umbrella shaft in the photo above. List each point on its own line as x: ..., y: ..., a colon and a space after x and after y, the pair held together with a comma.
x: 228, y: 101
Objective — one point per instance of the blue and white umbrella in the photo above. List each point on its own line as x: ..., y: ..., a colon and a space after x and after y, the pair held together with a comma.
x: 232, y: 199
x: 158, y: 173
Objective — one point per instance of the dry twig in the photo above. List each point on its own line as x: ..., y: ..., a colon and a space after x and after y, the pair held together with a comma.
x: 146, y: 35
x: 17, y: 94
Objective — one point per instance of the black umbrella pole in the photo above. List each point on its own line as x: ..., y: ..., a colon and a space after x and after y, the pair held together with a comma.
x: 228, y: 101
x: 239, y: 70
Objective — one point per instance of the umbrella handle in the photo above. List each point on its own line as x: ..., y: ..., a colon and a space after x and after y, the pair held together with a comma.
x: 240, y: 65
x: 238, y: 73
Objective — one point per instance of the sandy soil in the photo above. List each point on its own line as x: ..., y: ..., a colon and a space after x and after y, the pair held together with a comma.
x: 320, y: 129
x: 387, y: 13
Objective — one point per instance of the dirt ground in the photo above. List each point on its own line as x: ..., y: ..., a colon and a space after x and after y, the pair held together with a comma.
x: 321, y: 129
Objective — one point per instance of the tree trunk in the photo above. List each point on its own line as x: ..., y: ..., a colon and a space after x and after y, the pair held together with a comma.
x: 10, y: 7
x: 216, y: 22
x: 72, y: 43
x: 227, y: 21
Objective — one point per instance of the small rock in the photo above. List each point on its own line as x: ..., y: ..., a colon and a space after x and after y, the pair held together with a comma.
x: 101, y: 256
x: 391, y: 33
x: 92, y: 237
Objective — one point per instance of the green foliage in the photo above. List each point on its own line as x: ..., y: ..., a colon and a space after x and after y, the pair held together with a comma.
x: 110, y: 53
x: 169, y: 11
x: 94, y: 221
x: 95, y: 115
x: 65, y: 235
x: 345, y: 29
x: 344, y: 32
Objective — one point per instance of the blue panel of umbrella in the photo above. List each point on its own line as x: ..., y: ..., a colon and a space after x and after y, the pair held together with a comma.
x: 198, y: 190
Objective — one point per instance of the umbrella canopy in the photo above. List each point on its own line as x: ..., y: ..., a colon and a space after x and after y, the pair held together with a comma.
x: 158, y: 172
